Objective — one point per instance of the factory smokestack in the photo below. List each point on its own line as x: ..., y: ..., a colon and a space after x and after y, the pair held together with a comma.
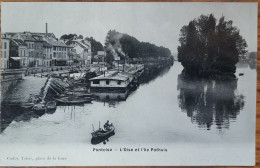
x: 46, y: 28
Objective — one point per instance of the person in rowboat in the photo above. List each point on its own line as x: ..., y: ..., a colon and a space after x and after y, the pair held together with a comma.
x: 106, y: 124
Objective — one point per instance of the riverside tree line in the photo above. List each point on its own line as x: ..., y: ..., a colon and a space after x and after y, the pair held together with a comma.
x: 123, y: 46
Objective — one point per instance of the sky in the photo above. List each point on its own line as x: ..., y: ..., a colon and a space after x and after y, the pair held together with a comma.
x: 155, y: 22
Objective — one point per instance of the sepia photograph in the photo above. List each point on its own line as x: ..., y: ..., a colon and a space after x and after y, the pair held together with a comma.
x: 128, y: 83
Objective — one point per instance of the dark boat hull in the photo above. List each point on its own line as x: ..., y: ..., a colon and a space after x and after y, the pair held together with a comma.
x: 95, y: 141
x: 101, y: 134
x: 68, y: 102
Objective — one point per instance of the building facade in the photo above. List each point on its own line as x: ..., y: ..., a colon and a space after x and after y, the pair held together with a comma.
x: 30, y: 41
x: 82, y: 49
x: 47, y: 54
x: 18, y: 54
x: 5, y: 49
x: 30, y: 49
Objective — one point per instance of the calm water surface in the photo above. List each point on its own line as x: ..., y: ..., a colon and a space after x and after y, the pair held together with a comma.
x: 164, y: 109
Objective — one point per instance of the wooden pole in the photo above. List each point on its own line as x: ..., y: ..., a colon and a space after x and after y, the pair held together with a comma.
x: 118, y: 65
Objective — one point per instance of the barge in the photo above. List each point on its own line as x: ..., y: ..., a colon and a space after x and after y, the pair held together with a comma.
x: 115, y: 80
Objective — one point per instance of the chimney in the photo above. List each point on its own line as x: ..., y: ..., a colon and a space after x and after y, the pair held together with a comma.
x: 46, y: 28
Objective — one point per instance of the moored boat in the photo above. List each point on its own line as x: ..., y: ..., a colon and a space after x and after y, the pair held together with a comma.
x: 69, y: 101
x: 87, y: 100
x: 27, y: 106
x: 39, y: 108
x: 51, y: 105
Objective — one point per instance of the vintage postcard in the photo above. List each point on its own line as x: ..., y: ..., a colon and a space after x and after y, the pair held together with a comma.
x: 128, y: 84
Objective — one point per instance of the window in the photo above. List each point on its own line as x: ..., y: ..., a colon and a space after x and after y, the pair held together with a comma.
x: 54, y: 48
x: 4, y: 54
x: 107, y: 82
x: 4, y: 45
x: 24, y: 52
x: 96, y: 82
x: 20, y: 53
x: 54, y: 55
x: 119, y: 82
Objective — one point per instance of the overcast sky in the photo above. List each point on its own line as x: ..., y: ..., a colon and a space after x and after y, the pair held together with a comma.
x: 157, y: 23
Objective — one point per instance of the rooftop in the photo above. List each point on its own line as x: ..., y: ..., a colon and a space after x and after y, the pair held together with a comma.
x: 55, y: 43
x: 83, y: 44
x: 19, y: 42
x: 113, y: 75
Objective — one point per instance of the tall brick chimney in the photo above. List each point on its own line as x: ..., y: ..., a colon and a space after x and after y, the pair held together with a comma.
x: 46, y: 28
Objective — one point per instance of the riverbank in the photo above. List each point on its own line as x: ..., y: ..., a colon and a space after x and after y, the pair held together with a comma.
x: 209, y: 74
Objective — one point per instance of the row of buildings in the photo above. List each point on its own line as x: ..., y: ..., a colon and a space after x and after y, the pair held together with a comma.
x: 30, y: 49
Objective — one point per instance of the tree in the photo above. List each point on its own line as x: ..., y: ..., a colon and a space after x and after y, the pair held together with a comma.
x: 80, y: 37
x: 109, y: 58
x: 122, y: 45
x: 208, y: 49
x: 96, y: 45
x: 252, y: 56
x: 66, y: 37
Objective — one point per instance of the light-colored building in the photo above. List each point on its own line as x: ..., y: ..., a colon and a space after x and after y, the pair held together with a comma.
x: 30, y: 41
x: 47, y: 54
x: 38, y: 50
x: 5, y: 49
x: 18, y: 54
x: 41, y: 49
x: 58, y: 52
x: 81, y: 48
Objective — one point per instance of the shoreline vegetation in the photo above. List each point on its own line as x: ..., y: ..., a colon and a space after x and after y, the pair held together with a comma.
x: 210, y: 48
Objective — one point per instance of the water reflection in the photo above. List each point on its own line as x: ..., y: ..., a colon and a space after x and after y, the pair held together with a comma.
x: 252, y: 64
x: 14, y: 112
x: 209, y: 102
x: 152, y: 72
x: 109, y: 98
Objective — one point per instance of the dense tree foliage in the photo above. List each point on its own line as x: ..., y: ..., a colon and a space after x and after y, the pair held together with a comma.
x: 80, y: 37
x: 122, y: 45
x: 252, y: 56
x: 208, y: 49
x: 67, y: 37
x: 96, y: 45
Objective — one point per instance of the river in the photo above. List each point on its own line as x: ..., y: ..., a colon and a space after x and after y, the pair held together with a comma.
x: 166, y: 109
